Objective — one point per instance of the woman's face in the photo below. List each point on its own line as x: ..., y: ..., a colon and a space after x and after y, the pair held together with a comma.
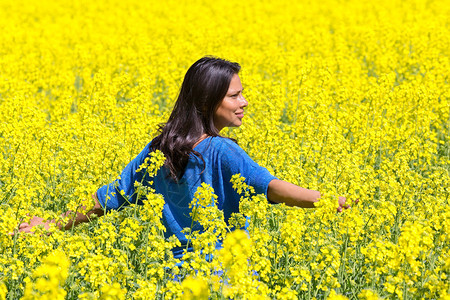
x: 231, y: 110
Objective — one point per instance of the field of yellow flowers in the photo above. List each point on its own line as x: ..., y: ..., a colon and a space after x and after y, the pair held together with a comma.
x: 350, y: 98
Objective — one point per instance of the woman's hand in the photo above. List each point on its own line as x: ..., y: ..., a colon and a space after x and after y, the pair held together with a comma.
x: 343, y: 204
x: 79, y: 218
x: 34, y: 221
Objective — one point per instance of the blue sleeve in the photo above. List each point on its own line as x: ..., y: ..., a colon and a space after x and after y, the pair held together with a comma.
x: 235, y: 160
x: 121, y: 192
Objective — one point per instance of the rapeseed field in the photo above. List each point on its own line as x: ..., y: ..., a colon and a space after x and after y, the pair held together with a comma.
x: 350, y: 98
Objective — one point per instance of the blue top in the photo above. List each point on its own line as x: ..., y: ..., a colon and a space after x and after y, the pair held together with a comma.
x: 223, y: 158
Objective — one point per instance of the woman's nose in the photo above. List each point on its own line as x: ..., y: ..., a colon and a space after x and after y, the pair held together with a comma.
x: 244, y: 102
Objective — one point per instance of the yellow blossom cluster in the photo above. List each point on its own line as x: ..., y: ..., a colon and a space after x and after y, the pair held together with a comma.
x: 350, y: 98
x: 48, y: 279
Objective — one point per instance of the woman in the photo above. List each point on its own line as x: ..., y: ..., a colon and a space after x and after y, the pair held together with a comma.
x: 210, y: 99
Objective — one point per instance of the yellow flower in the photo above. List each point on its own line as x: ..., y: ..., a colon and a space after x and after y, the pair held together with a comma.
x: 368, y: 295
x: 112, y: 292
x: 334, y: 296
x: 49, y: 278
x: 195, y: 288
x: 351, y: 101
x: 3, y: 291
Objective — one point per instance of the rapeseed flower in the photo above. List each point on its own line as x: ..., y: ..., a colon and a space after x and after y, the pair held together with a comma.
x: 350, y: 99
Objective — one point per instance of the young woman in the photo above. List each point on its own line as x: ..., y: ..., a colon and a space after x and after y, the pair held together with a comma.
x: 210, y: 99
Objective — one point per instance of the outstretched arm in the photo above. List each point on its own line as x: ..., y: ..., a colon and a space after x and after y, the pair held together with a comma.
x: 280, y: 191
x: 79, y: 218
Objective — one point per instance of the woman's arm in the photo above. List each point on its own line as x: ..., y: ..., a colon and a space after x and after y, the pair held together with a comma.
x: 280, y: 191
x: 112, y: 191
x: 79, y: 218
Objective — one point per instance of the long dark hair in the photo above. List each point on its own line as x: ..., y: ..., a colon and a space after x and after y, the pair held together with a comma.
x: 204, y: 86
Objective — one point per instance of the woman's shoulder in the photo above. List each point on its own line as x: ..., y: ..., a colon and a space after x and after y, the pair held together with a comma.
x: 226, y: 148
x: 223, y: 142
x: 230, y: 154
x: 220, y: 147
